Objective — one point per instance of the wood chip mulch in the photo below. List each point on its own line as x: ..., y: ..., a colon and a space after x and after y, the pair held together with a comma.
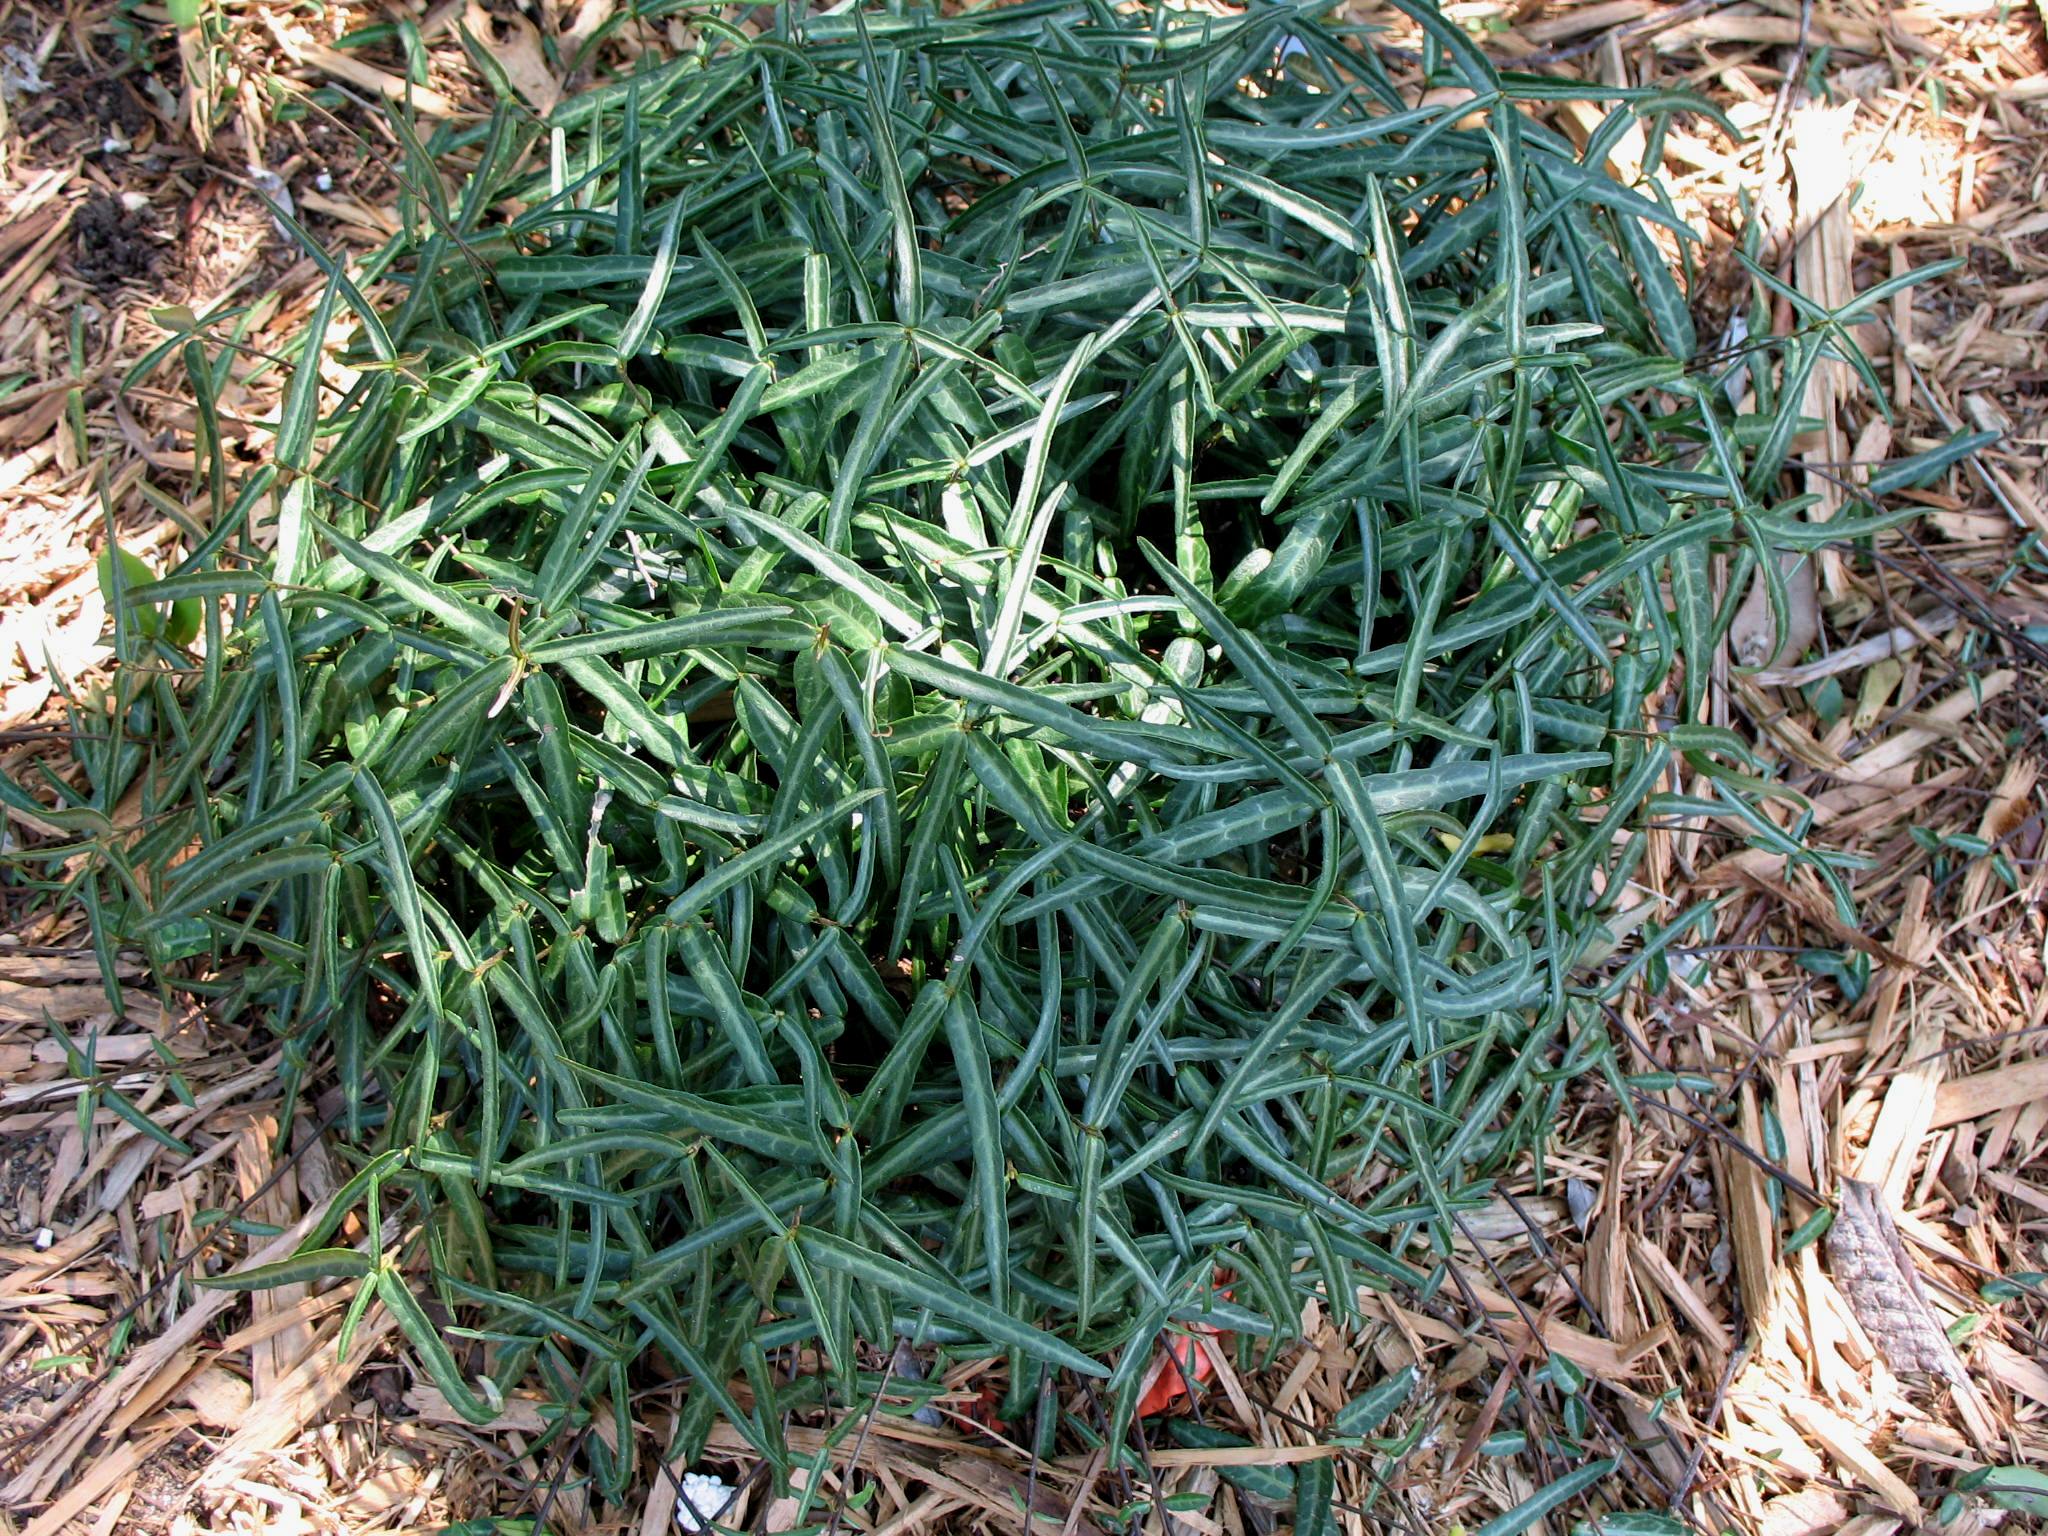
x: 1890, y: 1067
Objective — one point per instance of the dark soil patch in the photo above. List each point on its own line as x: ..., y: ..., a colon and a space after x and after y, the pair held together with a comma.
x: 24, y: 1167
x: 163, y: 1487
x: 115, y: 107
x: 115, y: 245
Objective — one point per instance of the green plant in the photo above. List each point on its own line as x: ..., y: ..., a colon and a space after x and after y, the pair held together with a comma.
x: 118, y: 571
x: 972, y: 678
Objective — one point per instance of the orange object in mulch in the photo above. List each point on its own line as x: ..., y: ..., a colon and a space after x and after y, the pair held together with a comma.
x: 983, y: 1411
x: 1169, y: 1379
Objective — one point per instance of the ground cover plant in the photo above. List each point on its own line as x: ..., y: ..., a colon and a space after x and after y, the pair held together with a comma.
x: 980, y: 681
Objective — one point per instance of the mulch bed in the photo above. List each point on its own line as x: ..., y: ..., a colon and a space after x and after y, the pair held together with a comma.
x: 1744, y: 1384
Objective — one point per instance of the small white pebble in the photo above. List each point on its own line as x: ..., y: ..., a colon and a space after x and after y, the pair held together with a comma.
x: 324, y: 182
x: 134, y: 202
x: 704, y: 1498
x: 44, y: 1239
x: 114, y: 144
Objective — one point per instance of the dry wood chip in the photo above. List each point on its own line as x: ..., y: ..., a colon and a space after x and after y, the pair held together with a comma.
x: 306, y: 1309
x: 298, y: 1396
x: 1759, y: 1429
x: 1850, y: 1448
x: 519, y: 1413
x: 59, y: 1449
x: 1854, y: 658
x: 516, y: 44
x: 1600, y: 1358
x: 98, y: 1480
x: 1902, y: 1121
x: 273, y: 1355
x: 1581, y: 19
x: 49, y: 970
x: 2005, y: 811
x: 1986, y: 1093
x: 32, y: 265
x: 1732, y: 27
x: 218, y: 1396
x: 2012, y: 1370
x: 1930, y: 1441
x: 1652, y: 1263
x: 1897, y: 750
x: 29, y: 1269
x: 658, y: 1513
x: 1606, y: 1256
x: 1241, y: 1455
x: 346, y: 66
x: 26, y: 1003
x: 964, y: 1472
x: 158, y: 1391
x: 1760, y: 868
x: 1752, y: 1234
x: 1226, y: 1376
x: 1809, y: 1512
